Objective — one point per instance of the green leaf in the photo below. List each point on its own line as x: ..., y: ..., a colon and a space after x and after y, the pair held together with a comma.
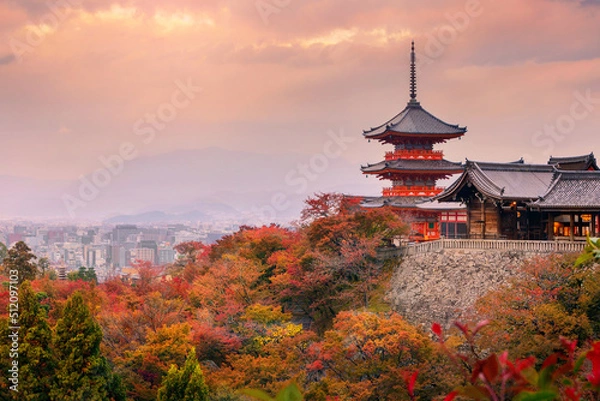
x: 290, y: 393
x: 258, y: 394
x: 537, y: 396
x: 531, y: 375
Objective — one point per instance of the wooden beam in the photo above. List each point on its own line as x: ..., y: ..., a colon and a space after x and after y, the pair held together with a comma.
x: 550, y: 226
x: 571, y: 227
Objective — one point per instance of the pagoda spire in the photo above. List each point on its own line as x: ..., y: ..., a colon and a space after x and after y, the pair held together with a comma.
x: 413, y: 74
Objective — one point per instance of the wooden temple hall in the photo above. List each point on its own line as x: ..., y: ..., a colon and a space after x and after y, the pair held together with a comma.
x: 557, y: 200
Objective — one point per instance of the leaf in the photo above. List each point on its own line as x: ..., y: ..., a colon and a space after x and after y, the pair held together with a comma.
x: 537, y: 396
x: 473, y: 392
x: 530, y: 375
x: 290, y: 393
x: 490, y: 368
x: 437, y: 329
x: 258, y: 394
x: 410, y: 383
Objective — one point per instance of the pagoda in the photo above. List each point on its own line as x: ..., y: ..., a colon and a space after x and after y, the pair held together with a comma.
x: 414, y: 166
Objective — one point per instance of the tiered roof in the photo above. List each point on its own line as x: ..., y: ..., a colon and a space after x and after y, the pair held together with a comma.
x: 415, y: 122
x: 414, y: 166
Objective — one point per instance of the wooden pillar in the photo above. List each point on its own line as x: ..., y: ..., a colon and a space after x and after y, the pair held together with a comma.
x: 593, y: 227
x: 483, y: 219
x: 550, y: 226
x: 571, y: 227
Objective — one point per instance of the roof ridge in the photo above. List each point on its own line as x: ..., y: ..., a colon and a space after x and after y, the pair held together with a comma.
x: 489, y: 180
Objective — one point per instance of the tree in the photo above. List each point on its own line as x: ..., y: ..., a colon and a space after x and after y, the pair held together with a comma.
x: 85, y: 274
x: 82, y: 373
x: 21, y: 259
x: 186, y: 384
x: 36, y: 359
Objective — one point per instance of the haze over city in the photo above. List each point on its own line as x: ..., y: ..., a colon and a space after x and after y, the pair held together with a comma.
x: 215, y: 106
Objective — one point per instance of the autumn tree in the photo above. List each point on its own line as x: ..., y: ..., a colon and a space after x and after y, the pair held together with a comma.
x: 549, y: 299
x: 365, y: 355
x: 185, y: 384
x: 82, y: 373
x: 21, y: 259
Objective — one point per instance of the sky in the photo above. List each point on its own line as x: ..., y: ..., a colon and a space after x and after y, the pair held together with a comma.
x: 84, y: 80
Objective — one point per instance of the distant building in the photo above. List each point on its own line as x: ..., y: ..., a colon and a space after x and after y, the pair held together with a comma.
x: 122, y: 231
x: 142, y: 254
x: 166, y: 256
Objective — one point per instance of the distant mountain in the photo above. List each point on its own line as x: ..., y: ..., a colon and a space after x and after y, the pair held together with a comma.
x: 204, y: 184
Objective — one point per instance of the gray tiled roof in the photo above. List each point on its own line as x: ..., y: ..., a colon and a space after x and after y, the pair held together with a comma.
x: 583, y: 162
x: 572, y: 190
x: 442, y: 166
x: 414, y: 119
x: 517, y: 181
x: 395, y: 201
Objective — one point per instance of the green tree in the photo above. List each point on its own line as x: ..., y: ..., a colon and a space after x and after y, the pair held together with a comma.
x: 36, y: 360
x: 82, y: 373
x: 185, y: 384
x: 84, y: 273
x: 3, y: 252
x: 21, y: 259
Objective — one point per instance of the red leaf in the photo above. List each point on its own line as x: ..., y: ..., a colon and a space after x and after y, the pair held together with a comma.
x: 451, y: 396
x: 437, y: 329
x: 410, y: 383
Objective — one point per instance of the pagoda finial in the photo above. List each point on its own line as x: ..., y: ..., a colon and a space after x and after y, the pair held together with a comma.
x: 413, y: 74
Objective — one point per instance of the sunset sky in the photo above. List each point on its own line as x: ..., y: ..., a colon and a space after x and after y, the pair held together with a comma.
x: 79, y: 77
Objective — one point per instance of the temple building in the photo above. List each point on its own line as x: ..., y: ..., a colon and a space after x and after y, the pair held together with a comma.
x: 519, y: 201
x: 414, y: 167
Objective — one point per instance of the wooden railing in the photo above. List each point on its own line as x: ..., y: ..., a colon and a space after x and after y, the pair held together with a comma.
x: 414, y: 190
x: 414, y: 154
x: 500, y: 245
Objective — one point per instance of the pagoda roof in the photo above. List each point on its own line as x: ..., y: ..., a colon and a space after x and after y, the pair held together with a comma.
x: 572, y: 190
x: 403, y: 202
x: 503, y: 181
x: 413, y: 165
x: 414, y: 120
x: 423, y: 203
x: 584, y: 162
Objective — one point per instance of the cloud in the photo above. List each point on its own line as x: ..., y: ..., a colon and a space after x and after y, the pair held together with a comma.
x: 7, y: 59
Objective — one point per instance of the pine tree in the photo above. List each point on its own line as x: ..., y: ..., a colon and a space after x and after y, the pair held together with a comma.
x: 82, y: 373
x: 37, y: 363
x: 185, y: 384
x: 21, y: 259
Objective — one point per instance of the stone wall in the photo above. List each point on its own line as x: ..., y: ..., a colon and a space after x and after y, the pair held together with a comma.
x: 442, y: 285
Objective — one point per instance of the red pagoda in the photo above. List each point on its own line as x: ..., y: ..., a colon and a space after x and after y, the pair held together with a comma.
x: 414, y: 168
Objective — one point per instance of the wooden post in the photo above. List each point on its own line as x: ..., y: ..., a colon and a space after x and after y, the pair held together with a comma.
x: 593, y: 228
x: 483, y: 219
x: 571, y: 227
x: 550, y: 226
